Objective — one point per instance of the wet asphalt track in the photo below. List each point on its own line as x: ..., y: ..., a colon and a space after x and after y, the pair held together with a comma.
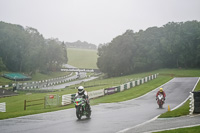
x: 106, y: 118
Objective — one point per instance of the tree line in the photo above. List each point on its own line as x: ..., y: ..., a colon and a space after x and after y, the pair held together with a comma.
x: 26, y: 50
x: 81, y: 45
x: 174, y: 45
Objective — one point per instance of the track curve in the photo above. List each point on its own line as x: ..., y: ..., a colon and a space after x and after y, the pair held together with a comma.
x: 106, y: 118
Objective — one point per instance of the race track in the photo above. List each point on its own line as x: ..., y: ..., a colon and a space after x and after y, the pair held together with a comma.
x: 106, y: 118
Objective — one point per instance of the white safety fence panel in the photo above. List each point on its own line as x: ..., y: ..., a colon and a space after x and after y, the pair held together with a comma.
x: 3, y: 107
x: 142, y: 81
x: 138, y: 82
x: 66, y: 99
x: 95, y: 94
x: 133, y: 83
x: 121, y: 88
x: 149, y: 77
x: 145, y: 79
x: 128, y: 85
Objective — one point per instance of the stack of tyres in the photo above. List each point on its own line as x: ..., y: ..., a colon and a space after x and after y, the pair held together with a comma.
x: 196, y: 101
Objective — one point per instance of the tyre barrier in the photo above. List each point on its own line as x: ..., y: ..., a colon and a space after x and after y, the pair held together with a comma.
x: 194, y: 102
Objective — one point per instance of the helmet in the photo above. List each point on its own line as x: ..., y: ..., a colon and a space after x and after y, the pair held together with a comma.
x: 161, y: 89
x: 80, y: 89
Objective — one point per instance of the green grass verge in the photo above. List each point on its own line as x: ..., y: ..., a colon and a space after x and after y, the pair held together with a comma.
x: 195, y: 129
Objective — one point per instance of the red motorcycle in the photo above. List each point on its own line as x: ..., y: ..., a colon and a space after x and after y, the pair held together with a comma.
x: 160, y: 100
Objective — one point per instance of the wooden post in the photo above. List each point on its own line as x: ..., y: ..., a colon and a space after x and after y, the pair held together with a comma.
x: 24, y: 104
x: 44, y: 102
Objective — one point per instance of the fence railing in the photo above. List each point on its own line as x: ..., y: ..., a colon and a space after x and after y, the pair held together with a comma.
x: 34, y: 103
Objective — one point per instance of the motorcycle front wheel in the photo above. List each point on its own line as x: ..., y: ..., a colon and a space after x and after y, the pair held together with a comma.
x: 160, y: 104
x: 88, y: 114
x: 78, y: 112
x: 88, y: 109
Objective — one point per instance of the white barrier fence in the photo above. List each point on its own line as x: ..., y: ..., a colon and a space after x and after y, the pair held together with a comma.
x: 3, y: 107
x: 33, y: 84
x: 67, y: 99
x: 95, y: 94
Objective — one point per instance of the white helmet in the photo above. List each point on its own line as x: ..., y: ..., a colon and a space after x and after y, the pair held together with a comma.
x: 80, y: 89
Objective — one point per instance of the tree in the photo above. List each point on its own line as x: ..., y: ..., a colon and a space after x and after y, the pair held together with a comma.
x: 172, y: 46
x: 2, y: 66
x: 26, y: 50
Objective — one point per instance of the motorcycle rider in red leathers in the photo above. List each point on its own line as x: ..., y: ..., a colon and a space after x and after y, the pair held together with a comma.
x: 160, y: 92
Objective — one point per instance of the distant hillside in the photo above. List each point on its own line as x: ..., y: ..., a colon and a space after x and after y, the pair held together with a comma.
x: 79, y: 44
x: 82, y: 58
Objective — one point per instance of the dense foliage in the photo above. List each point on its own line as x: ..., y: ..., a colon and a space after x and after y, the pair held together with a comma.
x: 25, y: 50
x: 174, y: 45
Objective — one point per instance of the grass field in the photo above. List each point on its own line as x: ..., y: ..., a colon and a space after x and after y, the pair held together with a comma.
x: 82, y: 58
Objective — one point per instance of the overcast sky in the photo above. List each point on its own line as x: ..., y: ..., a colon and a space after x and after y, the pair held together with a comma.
x: 95, y: 21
